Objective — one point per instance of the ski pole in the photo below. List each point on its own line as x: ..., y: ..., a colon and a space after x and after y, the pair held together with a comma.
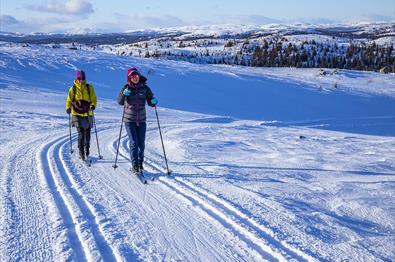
x: 161, y: 139
x: 97, y: 139
x: 71, y: 144
x: 119, y: 138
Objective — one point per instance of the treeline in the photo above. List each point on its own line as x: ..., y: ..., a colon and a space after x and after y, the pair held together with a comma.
x: 361, y: 56
x: 273, y: 53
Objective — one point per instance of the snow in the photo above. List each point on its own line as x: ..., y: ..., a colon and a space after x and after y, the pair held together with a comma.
x: 387, y: 40
x: 268, y: 163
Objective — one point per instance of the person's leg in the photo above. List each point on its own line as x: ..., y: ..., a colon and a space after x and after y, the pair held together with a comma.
x: 131, y: 130
x: 87, y: 140
x: 141, y: 143
x: 81, y: 141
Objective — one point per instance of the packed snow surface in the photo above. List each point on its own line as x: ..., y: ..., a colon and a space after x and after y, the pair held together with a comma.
x: 268, y: 164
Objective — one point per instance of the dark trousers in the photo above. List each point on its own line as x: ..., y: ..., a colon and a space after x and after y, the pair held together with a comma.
x: 84, y: 138
x: 136, y: 134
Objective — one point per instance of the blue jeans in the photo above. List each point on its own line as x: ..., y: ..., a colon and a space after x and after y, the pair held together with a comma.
x: 136, y: 135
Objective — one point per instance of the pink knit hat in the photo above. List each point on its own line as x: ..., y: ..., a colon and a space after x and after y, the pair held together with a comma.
x: 80, y: 75
x: 132, y: 71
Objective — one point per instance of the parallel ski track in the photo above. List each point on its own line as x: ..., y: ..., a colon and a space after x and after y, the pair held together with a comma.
x: 255, y: 235
x: 197, y: 237
x: 86, y: 236
x: 25, y: 226
x: 84, y: 232
x: 102, y: 239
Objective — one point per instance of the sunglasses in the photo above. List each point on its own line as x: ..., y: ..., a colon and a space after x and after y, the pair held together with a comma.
x: 134, y: 75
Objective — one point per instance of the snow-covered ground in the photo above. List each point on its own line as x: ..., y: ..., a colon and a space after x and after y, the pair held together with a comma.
x: 268, y: 164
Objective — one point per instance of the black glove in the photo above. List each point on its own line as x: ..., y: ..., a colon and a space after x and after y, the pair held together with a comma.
x: 68, y: 111
x: 93, y: 107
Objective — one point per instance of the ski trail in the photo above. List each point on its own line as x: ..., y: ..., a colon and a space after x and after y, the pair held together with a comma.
x: 25, y: 228
x: 240, y: 221
x: 195, y: 237
x: 45, y: 170
x: 242, y: 218
x: 83, y: 213
x: 91, y: 221
x: 238, y: 216
x: 215, y: 214
x: 257, y: 233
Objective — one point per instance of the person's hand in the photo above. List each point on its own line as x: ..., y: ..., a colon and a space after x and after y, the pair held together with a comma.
x: 93, y: 107
x: 154, y: 102
x: 126, y: 92
x: 68, y: 111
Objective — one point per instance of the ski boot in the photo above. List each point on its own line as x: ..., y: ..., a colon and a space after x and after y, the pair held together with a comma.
x: 135, y: 170
x: 87, y: 152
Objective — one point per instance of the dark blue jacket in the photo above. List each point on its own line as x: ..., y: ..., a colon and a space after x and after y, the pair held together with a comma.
x: 135, y: 103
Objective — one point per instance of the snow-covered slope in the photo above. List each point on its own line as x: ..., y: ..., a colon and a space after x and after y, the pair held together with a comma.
x: 251, y: 179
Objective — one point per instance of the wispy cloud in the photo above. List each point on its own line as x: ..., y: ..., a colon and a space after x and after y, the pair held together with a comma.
x: 7, y: 20
x: 47, y: 24
x: 70, y: 7
x: 9, y: 23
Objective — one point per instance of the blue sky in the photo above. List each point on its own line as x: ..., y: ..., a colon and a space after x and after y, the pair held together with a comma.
x: 120, y: 15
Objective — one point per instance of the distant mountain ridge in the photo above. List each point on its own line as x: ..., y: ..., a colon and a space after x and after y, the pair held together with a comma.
x: 366, y: 30
x: 359, y: 46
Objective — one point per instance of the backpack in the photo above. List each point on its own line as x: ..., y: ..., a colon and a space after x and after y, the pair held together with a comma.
x: 81, y: 106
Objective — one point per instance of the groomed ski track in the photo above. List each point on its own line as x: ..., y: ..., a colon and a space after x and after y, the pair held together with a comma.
x: 98, y: 213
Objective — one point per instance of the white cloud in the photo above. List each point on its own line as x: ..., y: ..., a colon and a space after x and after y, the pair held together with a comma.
x: 71, y: 7
x: 51, y: 24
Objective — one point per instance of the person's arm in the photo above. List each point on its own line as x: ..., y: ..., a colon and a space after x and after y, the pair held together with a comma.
x: 150, y: 97
x: 93, y: 96
x: 121, y: 96
x: 69, y: 102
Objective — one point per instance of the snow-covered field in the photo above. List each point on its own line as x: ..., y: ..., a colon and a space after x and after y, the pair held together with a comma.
x: 268, y: 164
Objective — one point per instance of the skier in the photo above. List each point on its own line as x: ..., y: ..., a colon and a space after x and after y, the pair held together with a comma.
x: 81, y: 101
x: 133, y: 96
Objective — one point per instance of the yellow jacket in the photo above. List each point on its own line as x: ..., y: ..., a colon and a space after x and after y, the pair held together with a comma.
x: 81, y: 94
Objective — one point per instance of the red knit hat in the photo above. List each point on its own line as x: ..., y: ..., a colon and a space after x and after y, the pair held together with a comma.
x: 132, y: 71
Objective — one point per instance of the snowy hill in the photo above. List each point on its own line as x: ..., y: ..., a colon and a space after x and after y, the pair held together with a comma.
x: 268, y: 163
x: 361, y: 46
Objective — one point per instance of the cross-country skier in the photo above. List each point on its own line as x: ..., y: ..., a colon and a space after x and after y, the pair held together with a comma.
x: 81, y: 101
x: 133, y: 96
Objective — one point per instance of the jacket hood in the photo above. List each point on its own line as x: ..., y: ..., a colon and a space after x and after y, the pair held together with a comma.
x: 78, y: 84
